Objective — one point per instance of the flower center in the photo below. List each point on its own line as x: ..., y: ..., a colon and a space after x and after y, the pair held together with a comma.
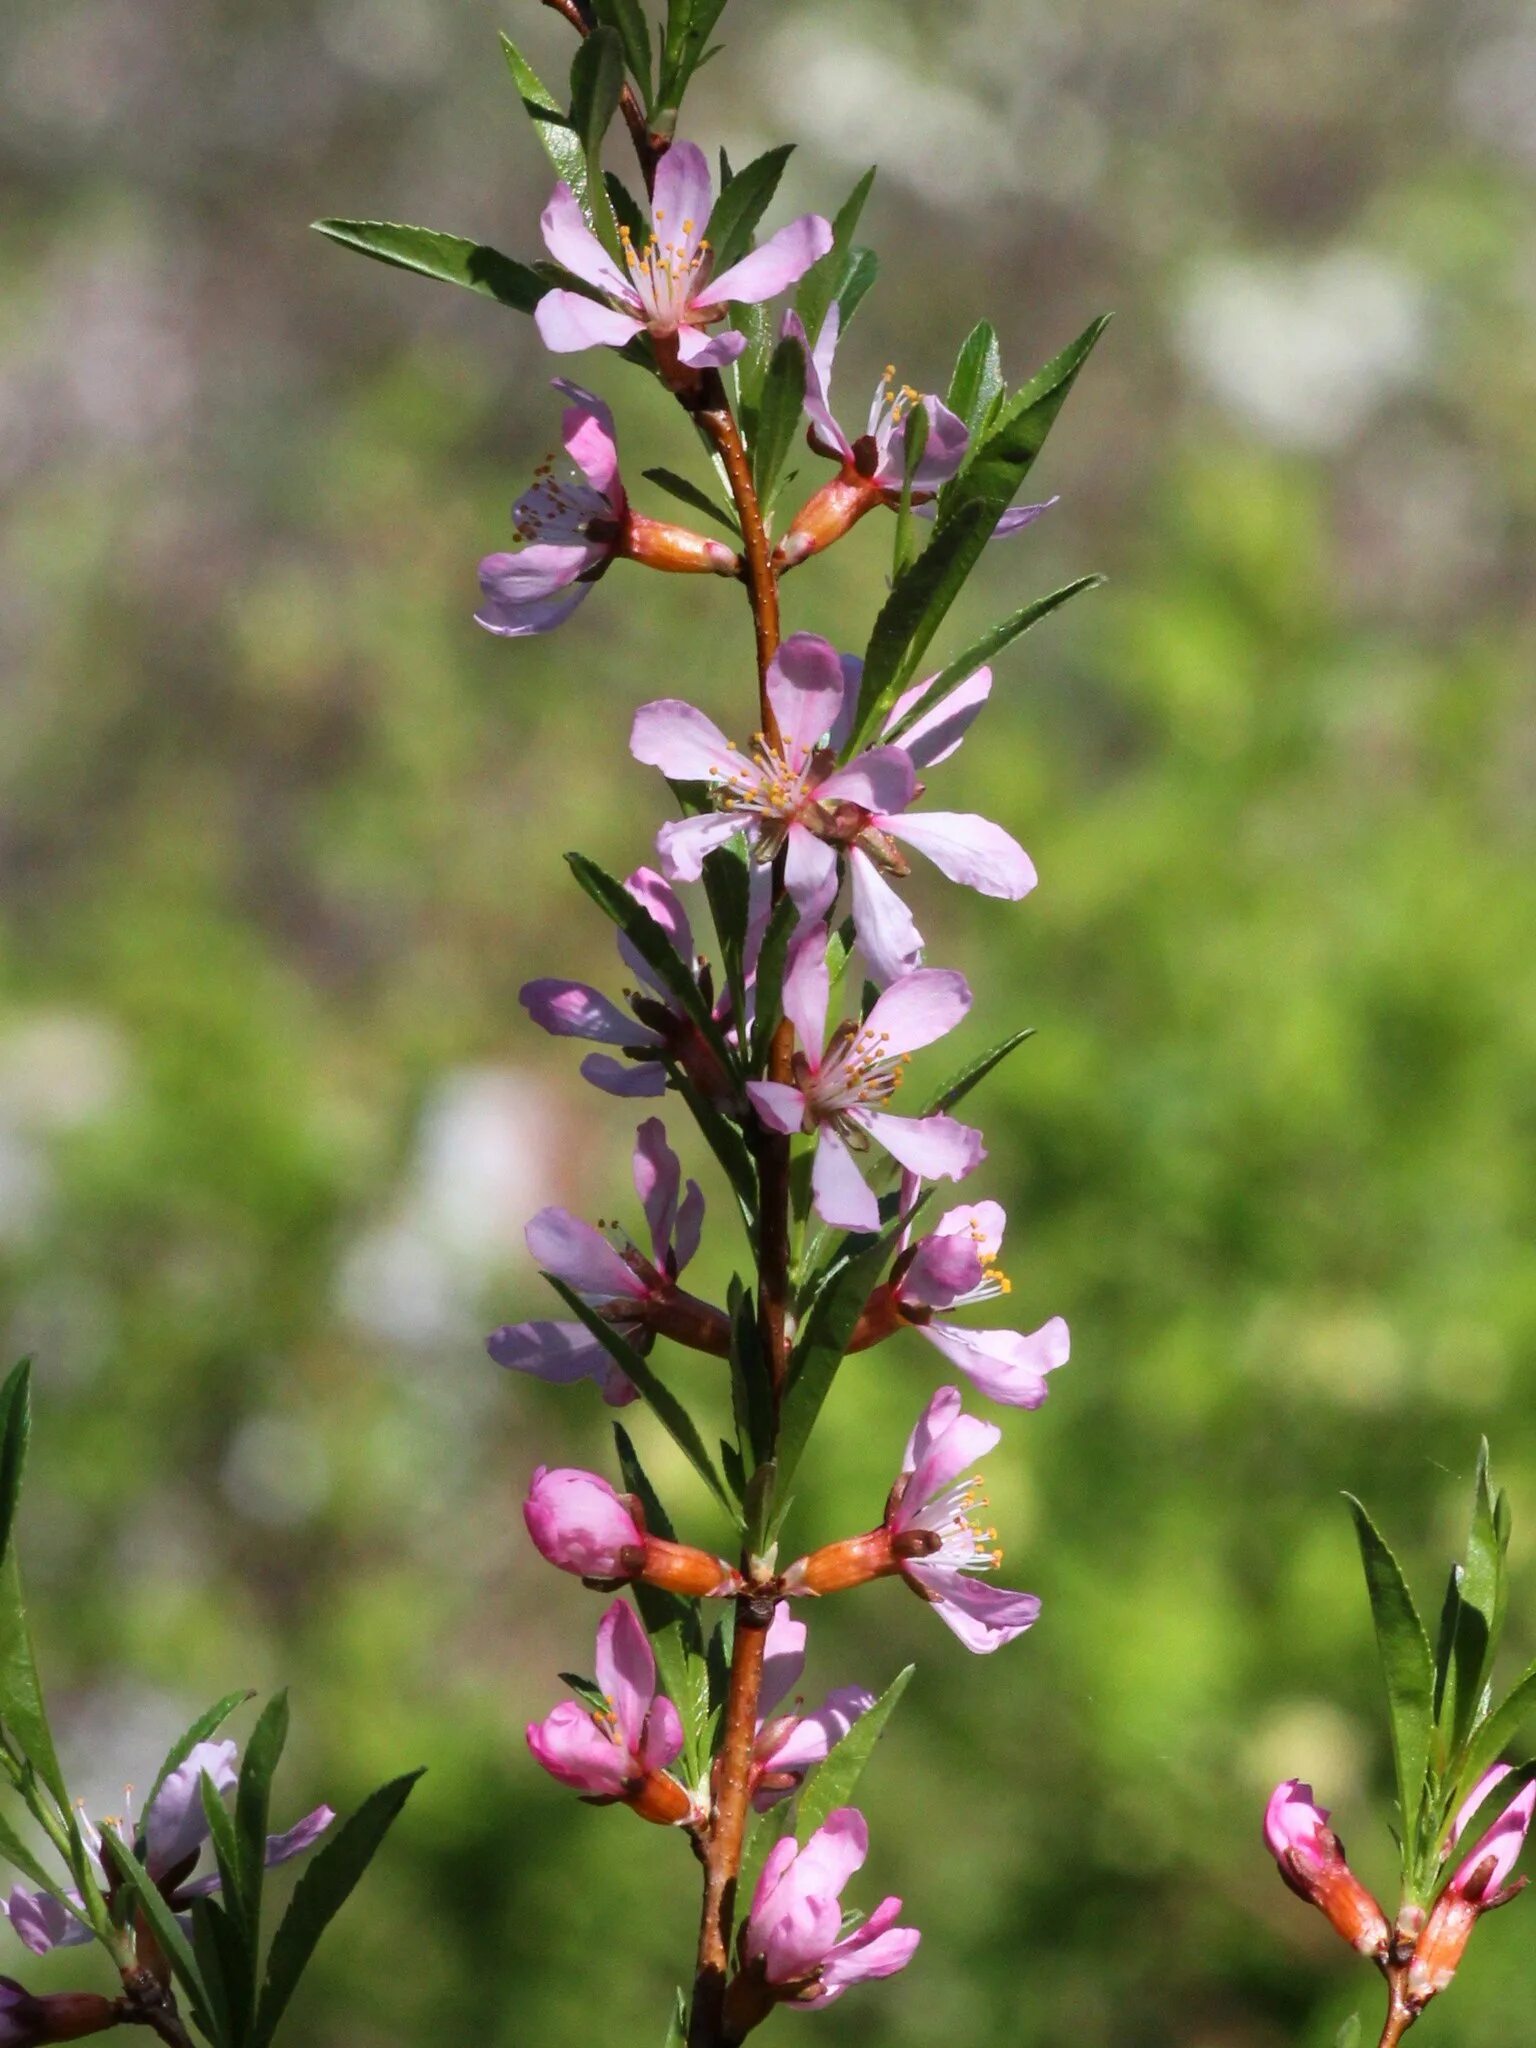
x: 667, y: 275
x: 559, y: 507
x: 775, y: 793
x: 965, y: 1543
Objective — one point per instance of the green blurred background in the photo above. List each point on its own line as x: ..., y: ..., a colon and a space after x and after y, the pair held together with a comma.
x: 280, y: 836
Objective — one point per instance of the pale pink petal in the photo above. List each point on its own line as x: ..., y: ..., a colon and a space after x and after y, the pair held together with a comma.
x: 519, y: 621
x: 535, y: 572
x: 807, y: 991
x: 920, y: 1008
x: 810, y: 873
x: 881, y: 780
x: 582, y: 1257
x: 942, y: 1270
x: 984, y: 1617
x: 935, y: 1147
x: 682, y: 742
x: 829, y: 436
x: 1470, y: 1806
x: 628, y: 1078
x: 567, y: 322
x: 1502, y: 1844
x: 572, y: 1009
x: 860, y: 1959
x: 804, y: 1929
x: 887, y: 933
x: 702, y: 351
x: 690, y: 1222
x: 805, y: 688
x: 658, y: 1179
x: 936, y: 735
x: 781, y: 1107
x: 943, y: 452
x: 175, y: 1827
x: 41, y: 1923
x: 955, y: 1451
x: 982, y: 1222
x: 969, y: 850
x: 682, y: 843
x: 572, y: 1747
x: 937, y: 1418
x: 683, y: 199
x: 783, y: 1658
x: 575, y: 248
x: 626, y: 1670
x: 655, y: 894
x: 295, y: 1840
x: 835, y: 1851
x: 1007, y: 1365
x: 1019, y: 516
x: 773, y: 266
x: 842, y: 725
x: 779, y: 1860
x: 838, y: 1188
x: 816, y: 1734
x: 1292, y: 1821
x: 586, y: 428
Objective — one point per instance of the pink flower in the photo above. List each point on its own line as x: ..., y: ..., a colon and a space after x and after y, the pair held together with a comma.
x: 1310, y: 1858
x: 839, y: 1092
x: 657, y: 1029
x: 791, y: 1947
x: 789, y: 1745
x: 573, y: 526
x: 794, y: 798
x: 168, y: 1842
x: 955, y: 1267
x: 580, y: 1524
x: 1481, y: 1882
x: 639, y: 1296
x: 930, y: 1536
x: 666, y: 289
x: 621, y: 1751
x: 872, y: 468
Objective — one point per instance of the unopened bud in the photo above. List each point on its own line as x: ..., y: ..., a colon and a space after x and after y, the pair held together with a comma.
x: 26, y: 2019
x: 1310, y: 1858
x: 838, y: 1566
x: 660, y: 545
x: 825, y: 517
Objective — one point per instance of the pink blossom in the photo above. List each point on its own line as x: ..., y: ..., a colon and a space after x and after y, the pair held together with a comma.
x: 872, y: 469
x: 792, y: 1937
x: 657, y: 1029
x: 840, y: 1091
x: 955, y: 1267
x: 622, y: 1750
x: 579, y: 1523
x: 637, y: 1294
x: 931, y: 1536
x: 1310, y: 1858
x: 789, y: 1745
x: 666, y: 288
x: 168, y: 1842
x: 1482, y: 1881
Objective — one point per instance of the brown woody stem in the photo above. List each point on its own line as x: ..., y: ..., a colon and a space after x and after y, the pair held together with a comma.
x: 726, y: 1835
x: 1400, y: 2014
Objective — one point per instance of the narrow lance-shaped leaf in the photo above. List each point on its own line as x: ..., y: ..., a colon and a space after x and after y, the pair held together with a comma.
x: 664, y: 1404
x: 628, y: 17
x: 15, y: 1851
x: 742, y: 204
x: 677, y: 2026
x: 832, y: 1783
x: 974, y: 1071
x: 597, y: 79
x: 818, y: 287
x: 1484, y: 1592
x: 253, y: 1795
x: 163, y: 1921
x: 327, y: 1884
x: 1407, y: 1669
x: 993, y: 641
x: 684, y: 48
x: 449, y: 258
x: 1007, y: 453
x: 778, y: 415
x: 696, y: 500
x: 977, y: 382
x: 15, y: 1430
x: 562, y: 144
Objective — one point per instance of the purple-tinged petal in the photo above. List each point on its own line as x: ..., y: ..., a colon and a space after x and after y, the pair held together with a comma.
x: 827, y: 435
x: 655, y: 894
x: 581, y: 1256
x: 781, y: 1107
x: 538, y: 571
x: 690, y: 1224
x: 702, y: 351
x: 575, y: 248
x: 835, y: 1851
x: 938, y: 733
x: 567, y: 322
x: 968, y: 849
x: 920, y: 1008
x: 935, y: 1147
x: 626, y: 1670
x: 804, y: 1929
x: 838, y: 1188
x: 682, y: 742
x: 880, y: 780
x: 808, y: 990
x: 816, y: 1734
x: 886, y: 931
x: 1501, y: 1844
x: 682, y: 843
x: 805, y: 688
x: 982, y: 1222
x: 561, y: 1353
x: 943, y: 1269
x: 41, y: 1923
x: 574, y: 1749
x: 810, y: 873
x: 175, y: 1825
x: 1017, y: 517
x: 509, y: 621
x: 776, y: 1864
x: 773, y: 266
x: 573, y: 1009
x: 658, y: 1181
x: 958, y: 1449
x: 944, y: 1404
x: 578, y: 1523
x: 783, y: 1659
x: 683, y: 198
x: 943, y: 452
x: 663, y: 1735
x: 301, y: 1836
x: 1470, y: 1806
x: 1007, y: 1365
x: 628, y: 1078
x: 876, y: 1949
x: 984, y: 1617
x: 586, y: 428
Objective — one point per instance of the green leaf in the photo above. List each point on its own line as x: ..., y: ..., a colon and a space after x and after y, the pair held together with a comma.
x: 15, y: 1429
x: 913, y: 612
x: 779, y: 413
x: 769, y: 986
x: 818, y: 287
x: 750, y: 1405
x: 684, y: 48
x: 857, y: 276
x: 15, y: 1851
x: 226, y: 1847
x: 626, y: 208
x: 163, y: 1921
x: 209, y: 1722
x: 327, y: 1884
x: 597, y: 79
x: 727, y: 1144
x: 21, y: 1695
x: 668, y: 1410
x: 1348, y: 2035
x: 978, y: 378
x: 628, y: 17
x: 1493, y: 1735
x: 696, y: 500
x: 677, y: 2026
x: 1016, y: 436
x: 562, y: 144
x: 587, y: 1690
x: 742, y: 204
x: 253, y: 1796
x: 839, y: 1301
x: 219, y: 1945
x: 448, y: 257
x: 960, y: 1085
x: 991, y: 642
x: 1406, y: 1666
x: 831, y: 1784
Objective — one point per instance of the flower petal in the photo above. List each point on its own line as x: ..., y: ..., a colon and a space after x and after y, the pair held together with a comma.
x: 629, y: 1078
x: 573, y: 1009
x: 773, y: 266
x: 581, y: 1256
x: 683, y: 198
x: 880, y: 780
x: 586, y: 428
x: 937, y: 734
x: 838, y: 1188
x: 919, y: 1008
x: 654, y: 893
x: 519, y: 621
x: 682, y: 843
x: 1007, y: 1365
x: 944, y: 1268
x: 626, y: 1670
x: 702, y: 351
x: 816, y: 1734
x: 810, y: 873
x: 535, y: 572
x: 984, y: 1617
x: 969, y: 850
x: 947, y: 1455
x: 40, y: 1923
x: 658, y: 1180
x: 689, y: 1225
x: 828, y: 436
x: 572, y: 1747
x: 886, y: 932
x: 301, y: 1836
x: 567, y: 322
x: 944, y: 1405
x: 783, y: 1659
x: 175, y: 1826
x: 663, y: 1735
x: 575, y: 248
x: 835, y: 1851
x: 1017, y: 517
x: 935, y: 1147
x: 805, y: 688
x: 781, y: 1107
x: 682, y: 742
x: 561, y: 1353
x: 982, y: 1222
x: 807, y: 990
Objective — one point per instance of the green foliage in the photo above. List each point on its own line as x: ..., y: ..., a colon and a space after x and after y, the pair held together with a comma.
x: 561, y: 136
x: 743, y: 201
x: 628, y: 18
x: 1409, y: 1674
x: 449, y: 258
x: 832, y: 275
x: 832, y: 1783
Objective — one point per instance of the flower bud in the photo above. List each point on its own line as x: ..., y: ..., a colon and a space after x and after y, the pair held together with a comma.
x: 581, y: 1524
x: 838, y: 1566
x: 1310, y: 1858
x: 1481, y: 1882
x: 661, y: 545
x: 826, y: 516
x: 59, y: 2016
